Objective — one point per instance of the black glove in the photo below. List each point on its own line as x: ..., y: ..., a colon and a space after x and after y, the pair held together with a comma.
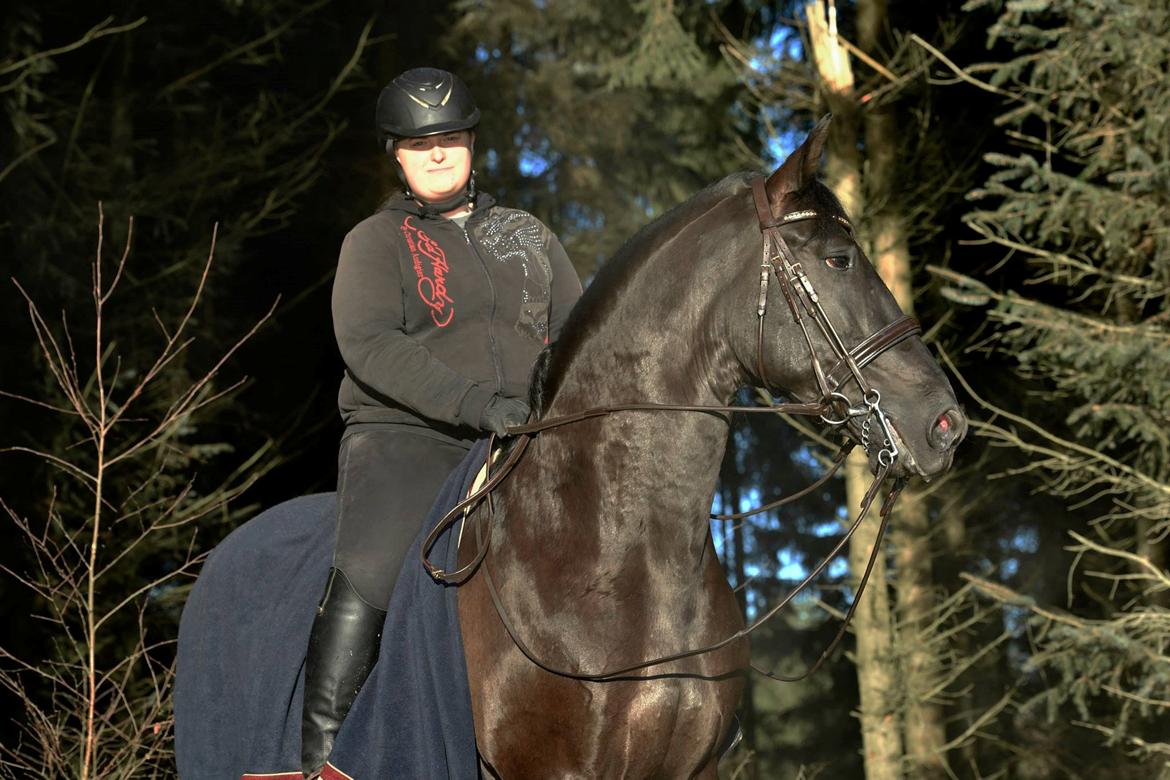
x: 502, y: 412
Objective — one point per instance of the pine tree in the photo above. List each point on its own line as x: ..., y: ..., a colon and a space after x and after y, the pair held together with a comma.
x: 599, y: 116
x: 1078, y: 205
x: 898, y: 160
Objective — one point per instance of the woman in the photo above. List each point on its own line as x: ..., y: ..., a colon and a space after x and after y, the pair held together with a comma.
x: 441, y: 304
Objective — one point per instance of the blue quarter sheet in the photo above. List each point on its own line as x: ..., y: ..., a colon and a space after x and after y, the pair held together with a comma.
x: 242, y: 643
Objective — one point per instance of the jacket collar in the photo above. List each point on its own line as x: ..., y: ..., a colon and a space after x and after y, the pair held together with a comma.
x: 399, y: 202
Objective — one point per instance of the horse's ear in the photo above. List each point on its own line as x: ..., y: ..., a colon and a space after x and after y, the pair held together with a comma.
x: 800, y: 169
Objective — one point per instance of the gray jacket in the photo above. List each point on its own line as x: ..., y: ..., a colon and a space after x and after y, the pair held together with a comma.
x: 433, y: 319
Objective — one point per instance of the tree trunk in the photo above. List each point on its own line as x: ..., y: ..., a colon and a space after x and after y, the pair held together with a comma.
x: 872, y: 623
x: 734, y: 557
x: 925, y: 731
x: 748, y: 703
x: 877, y: 677
x: 843, y: 168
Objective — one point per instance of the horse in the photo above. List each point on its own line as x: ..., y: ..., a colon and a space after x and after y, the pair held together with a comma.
x: 598, y: 552
x: 599, y: 633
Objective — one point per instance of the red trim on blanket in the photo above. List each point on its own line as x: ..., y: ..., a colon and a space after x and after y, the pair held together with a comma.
x: 331, y: 772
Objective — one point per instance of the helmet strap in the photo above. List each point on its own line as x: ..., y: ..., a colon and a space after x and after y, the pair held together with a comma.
x: 438, y: 208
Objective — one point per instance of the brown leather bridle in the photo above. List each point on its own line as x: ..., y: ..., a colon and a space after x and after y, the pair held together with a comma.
x: 834, y: 409
x: 803, y: 302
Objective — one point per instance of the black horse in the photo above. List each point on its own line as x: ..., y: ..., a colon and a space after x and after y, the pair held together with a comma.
x: 600, y: 546
x: 596, y: 548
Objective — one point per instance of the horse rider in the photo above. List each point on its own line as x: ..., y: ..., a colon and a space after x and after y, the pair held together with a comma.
x: 441, y: 304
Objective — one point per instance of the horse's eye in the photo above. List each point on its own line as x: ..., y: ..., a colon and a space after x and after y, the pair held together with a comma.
x: 839, y: 262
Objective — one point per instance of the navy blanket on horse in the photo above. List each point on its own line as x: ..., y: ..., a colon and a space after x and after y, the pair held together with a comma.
x: 242, y: 642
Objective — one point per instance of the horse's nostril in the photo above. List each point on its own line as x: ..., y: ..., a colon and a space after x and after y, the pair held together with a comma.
x: 948, y: 429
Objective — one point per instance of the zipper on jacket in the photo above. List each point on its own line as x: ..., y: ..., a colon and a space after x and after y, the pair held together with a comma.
x: 492, y: 319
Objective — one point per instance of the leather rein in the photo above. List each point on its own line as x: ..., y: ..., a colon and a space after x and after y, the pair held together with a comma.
x: 834, y: 409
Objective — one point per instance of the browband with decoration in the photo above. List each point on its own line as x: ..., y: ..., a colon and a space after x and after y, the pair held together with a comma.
x: 796, y: 216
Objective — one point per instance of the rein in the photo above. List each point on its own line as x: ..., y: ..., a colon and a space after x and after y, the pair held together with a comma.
x: 834, y: 409
x: 523, y: 434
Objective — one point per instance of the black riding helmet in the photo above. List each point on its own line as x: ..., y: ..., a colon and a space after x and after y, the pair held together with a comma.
x: 424, y: 101
x: 421, y: 102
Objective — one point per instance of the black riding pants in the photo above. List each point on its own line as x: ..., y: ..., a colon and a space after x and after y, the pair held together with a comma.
x: 386, y: 483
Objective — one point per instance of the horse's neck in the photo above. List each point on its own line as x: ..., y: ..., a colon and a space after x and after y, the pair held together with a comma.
x: 654, y: 471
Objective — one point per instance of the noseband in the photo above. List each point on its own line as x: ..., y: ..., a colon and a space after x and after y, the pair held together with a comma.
x: 834, y: 409
x: 804, y: 303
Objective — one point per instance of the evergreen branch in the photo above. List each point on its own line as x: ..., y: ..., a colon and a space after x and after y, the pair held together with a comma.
x: 1154, y: 572
x: 968, y: 663
x: 250, y: 46
x: 987, y: 716
x: 99, y: 30
x: 26, y: 154
x: 1006, y: 595
x: 1090, y: 454
x: 986, y: 86
x: 1115, y: 733
x: 960, y: 72
x: 342, y: 75
x: 1060, y: 258
x: 1143, y: 330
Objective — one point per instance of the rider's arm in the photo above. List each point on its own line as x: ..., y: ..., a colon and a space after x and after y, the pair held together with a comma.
x: 369, y: 324
x: 566, y: 287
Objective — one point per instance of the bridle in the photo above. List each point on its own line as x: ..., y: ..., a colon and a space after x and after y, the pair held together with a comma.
x: 834, y: 409
x: 804, y: 302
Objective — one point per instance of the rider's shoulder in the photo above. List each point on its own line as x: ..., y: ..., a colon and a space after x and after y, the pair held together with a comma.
x: 382, y: 224
x: 505, y: 218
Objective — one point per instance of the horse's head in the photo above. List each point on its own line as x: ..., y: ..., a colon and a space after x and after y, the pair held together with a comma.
x: 820, y: 283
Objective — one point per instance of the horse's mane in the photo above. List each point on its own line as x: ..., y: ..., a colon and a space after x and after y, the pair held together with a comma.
x: 615, y: 273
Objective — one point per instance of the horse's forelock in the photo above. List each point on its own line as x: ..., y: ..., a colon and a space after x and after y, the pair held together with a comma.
x: 817, y: 197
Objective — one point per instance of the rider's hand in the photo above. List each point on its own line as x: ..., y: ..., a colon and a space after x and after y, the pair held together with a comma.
x: 502, y: 412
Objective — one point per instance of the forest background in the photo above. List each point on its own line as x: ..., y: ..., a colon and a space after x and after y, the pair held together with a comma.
x: 1008, y: 165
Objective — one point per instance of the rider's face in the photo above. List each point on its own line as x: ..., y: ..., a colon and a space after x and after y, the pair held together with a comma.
x: 436, y: 166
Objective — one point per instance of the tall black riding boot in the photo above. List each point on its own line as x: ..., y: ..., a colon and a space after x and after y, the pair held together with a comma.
x: 343, y: 647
